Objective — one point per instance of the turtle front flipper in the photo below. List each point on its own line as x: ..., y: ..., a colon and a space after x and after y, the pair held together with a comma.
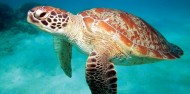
x: 64, y: 52
x: 100, y: 74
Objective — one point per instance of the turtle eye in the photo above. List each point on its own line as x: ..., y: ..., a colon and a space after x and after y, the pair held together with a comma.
x: 43, y: 14
x: 39, y: 14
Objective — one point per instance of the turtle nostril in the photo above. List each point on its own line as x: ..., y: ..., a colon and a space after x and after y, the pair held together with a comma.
x: 32, y: 10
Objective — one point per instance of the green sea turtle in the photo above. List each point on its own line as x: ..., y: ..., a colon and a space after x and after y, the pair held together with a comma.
x: 109, y: 37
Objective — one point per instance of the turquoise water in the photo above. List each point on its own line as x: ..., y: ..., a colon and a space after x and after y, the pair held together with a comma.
x: 28, y: 64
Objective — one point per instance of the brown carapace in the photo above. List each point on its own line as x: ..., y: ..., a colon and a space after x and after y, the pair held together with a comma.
x: 134, y: 32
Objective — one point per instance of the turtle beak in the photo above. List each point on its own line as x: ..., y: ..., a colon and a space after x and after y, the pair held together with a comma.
x: 30, y: 17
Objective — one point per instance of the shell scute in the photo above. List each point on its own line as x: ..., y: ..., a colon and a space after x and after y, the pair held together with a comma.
x: 155, y: 53
x: 106, y: 26
x: 99, y: 10
x: 88, y: 21
x: 126, y: 41
x: 128, y: 21
x: 141, y: 49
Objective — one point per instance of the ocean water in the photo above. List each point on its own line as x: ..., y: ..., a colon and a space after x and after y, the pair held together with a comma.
x: 28, y: 64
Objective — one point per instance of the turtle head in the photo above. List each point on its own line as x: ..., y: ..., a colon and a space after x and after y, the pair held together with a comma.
x: 49, y: 19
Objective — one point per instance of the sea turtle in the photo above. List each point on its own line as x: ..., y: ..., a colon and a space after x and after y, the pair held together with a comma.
x: 109, y: 37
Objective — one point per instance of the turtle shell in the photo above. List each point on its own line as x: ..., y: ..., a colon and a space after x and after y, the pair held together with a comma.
x: 134, y: 33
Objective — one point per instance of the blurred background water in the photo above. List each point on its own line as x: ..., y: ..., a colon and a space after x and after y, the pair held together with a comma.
x: 28, y: 64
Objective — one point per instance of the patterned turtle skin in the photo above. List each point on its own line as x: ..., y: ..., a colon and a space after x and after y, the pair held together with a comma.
x: 110, y: 37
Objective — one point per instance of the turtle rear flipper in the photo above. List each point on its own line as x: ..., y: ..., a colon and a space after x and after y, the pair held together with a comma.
x: 64, y: 53
x: 176, y: 51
